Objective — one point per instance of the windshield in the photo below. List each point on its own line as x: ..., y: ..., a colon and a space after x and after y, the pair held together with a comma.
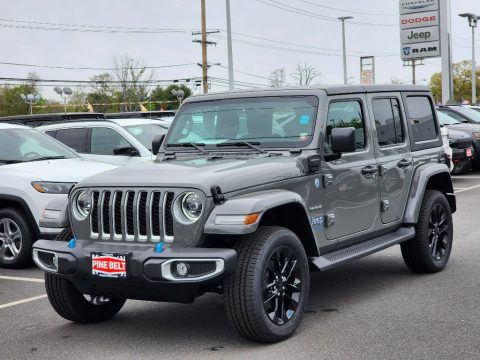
x: 269, y: 122
x: 21, y: 145
x: 469, y: 113
x: 145, y: 133
x: 445, y: 119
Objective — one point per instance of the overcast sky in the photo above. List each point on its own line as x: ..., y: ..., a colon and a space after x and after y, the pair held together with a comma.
x: 291, y: 37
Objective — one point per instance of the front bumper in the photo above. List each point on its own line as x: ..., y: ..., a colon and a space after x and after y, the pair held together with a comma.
x: 148, y: 277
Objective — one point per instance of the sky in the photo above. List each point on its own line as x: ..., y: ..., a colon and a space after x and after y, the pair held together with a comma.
x: 268, y: 34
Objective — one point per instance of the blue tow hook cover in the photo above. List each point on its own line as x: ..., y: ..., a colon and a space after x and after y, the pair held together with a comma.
x: 72, y: 243
x: 159, y: 247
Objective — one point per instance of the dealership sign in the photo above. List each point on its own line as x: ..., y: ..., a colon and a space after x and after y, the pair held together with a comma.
x: 412, y: 6
x: 419, y: 29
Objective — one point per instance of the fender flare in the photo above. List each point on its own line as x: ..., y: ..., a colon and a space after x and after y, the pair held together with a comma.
x: 420, y: 181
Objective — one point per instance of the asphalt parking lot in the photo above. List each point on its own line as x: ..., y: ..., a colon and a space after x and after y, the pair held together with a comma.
x: 373, y: 308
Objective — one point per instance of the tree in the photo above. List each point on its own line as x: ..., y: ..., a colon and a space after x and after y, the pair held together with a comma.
x: 462, y: 82
x: 133, y: 78
x: 396, y: 81
x: 305, y: 74
x: 11, y: 102
x: 78, y: 100
x: 167, y: 100
x: 103, y: 93
x: 278, y: 78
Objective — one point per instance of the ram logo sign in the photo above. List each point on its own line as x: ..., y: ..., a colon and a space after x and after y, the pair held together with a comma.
x: 421, y: 50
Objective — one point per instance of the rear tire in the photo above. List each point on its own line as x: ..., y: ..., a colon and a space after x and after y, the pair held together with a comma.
x: 430, y: 250
x: 16, y: 239
x: 265, y: 297
x: 72, y: 305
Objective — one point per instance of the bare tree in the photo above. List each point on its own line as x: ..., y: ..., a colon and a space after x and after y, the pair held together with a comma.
x: 305, y: 74
x: 396, y: 80
x: 278, y: 78
x: 133, y: 78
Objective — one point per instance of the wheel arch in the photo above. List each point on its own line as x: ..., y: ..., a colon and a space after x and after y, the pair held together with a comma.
x: 11, y: 201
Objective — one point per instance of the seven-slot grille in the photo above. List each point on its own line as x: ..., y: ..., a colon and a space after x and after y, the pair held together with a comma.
x: 132, y: 215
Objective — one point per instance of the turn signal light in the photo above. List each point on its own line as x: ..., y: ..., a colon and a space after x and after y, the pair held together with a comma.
x: 251, y: 218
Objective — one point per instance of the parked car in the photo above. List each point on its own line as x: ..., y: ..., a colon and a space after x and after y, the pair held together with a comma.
x: 45, y: 119
x: 462, y: 113
x: 451, y: 120
x: 447, y: 150
x: 34, y: 170
x: 118, y: 141
x: 245, y: 205
x: 158, y: 114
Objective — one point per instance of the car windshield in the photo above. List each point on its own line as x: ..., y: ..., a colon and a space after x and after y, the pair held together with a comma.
x: 270, y: 122
x: 469, y: 113
x: 146, y: 132
x: 445, y: 119
x: 22, y: 145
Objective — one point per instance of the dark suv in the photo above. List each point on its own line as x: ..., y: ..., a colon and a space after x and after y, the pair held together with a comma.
x: 249, y: 193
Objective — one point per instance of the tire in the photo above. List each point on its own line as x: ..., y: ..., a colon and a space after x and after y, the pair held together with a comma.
x: 72, y: 305
x: 430, y: 250
x: 245, y: 290
x: 16, y: 239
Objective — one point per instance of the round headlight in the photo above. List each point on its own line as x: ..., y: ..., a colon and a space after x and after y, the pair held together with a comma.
x: 83, y: 205
x: 192, y: 206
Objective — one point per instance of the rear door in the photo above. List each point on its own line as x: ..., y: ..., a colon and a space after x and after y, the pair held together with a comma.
x: 392, y: 149
x: 351, y: 183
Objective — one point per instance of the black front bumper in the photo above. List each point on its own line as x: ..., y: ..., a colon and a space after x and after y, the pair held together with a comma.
x: 146, y: 279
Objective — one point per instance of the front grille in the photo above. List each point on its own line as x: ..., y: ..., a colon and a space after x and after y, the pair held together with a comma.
x: 132, y: 215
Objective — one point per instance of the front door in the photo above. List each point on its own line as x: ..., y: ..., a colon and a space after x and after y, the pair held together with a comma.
x: 393, y: 153
x: 351, y: 183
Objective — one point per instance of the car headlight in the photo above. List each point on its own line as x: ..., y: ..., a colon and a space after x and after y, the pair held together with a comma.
x: 82, y: 204
x: 188, y: 207
x: 52, y: 187
x: 476, y: 134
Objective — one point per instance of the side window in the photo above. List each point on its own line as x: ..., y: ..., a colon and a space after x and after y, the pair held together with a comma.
x: 75, y: 139
x: 388, y: 121
x: 454, y: 115
x: 421, y: 118
x: 51, y: 133
x: 104, y: 140
x: 346, y: 114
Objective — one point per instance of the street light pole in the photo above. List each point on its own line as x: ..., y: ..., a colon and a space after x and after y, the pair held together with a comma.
x: 473, y: 22
x: 230, y: 51
x: 342, y: 19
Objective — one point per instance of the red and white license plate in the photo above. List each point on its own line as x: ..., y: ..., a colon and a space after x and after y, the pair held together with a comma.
x: 109, y: 265
x: 468, y: 152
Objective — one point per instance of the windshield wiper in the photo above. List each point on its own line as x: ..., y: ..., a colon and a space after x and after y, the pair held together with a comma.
x: 190, y: 144
x: 48, y: 158
x: 251, y: 145
x: 10, y: 161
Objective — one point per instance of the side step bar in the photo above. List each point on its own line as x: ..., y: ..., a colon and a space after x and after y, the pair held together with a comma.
x: 340, y: 257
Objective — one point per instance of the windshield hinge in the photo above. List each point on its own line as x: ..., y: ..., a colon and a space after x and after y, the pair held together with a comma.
x: 218, y: 197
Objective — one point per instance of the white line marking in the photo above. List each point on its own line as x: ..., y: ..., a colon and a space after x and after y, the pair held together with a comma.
x: 21, y: 279
x: 466, y: 177
x: 22, y: 301
x: 457, y: 189
x: 469, y: 188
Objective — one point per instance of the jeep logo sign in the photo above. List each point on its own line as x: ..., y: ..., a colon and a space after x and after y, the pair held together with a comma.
x: 409, y: 21
x: 420, y: 50
x: 417, y: 35
x: 412, y: 6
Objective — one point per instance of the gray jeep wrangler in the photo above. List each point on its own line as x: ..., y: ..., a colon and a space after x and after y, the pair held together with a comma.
x: 250, y: 192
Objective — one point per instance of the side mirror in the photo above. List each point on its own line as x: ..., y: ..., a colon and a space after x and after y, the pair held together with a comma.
x: 342, y: 141
x: 125, y: 150
x: 156, y: 143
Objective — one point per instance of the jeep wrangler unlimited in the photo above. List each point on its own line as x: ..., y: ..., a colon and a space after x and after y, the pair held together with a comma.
x: 250, y: 192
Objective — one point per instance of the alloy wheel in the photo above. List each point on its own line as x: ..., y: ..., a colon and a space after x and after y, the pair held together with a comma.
x: 10, y: 239
x: 438, y: 231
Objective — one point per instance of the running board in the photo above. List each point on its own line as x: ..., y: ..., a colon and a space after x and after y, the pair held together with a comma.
x: 340, y: 257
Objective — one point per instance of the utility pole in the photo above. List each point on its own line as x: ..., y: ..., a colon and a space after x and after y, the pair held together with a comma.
x: 230, y: 51
x: 413, y: 64
x: 342, y: 19
x: 204, y: 43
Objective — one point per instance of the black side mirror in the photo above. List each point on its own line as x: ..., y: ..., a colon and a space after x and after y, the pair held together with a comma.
x: 342, y: 141
x: 156, y: 143
x: 125, y: 150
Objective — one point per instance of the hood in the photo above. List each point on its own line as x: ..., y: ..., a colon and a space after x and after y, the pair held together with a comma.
x: 466, y: 127
x: 229, y: 173
x: 456, y: 134
x: 58, y: 170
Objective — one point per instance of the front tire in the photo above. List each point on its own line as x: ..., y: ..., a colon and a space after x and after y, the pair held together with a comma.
x: 265, y: 297
x: 430, y: 250
x: 72, y: 305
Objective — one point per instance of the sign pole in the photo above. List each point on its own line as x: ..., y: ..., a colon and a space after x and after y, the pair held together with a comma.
x: 446, y: 52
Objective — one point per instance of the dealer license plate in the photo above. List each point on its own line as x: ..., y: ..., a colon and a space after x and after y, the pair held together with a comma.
x: 109, y: 265
x: 468, y: 152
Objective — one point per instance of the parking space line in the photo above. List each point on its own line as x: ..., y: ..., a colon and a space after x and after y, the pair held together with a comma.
x: 469, y: 188
x: 18, y: 302
x: 16, y: 278
x: 466, y: 177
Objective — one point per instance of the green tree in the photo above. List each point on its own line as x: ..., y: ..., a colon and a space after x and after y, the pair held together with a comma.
x: 11, y: 103
x: 164, y: 98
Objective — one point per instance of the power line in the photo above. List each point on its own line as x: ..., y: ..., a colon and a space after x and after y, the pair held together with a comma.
x: 90, y: 68
x: 345, y: 10
x: 246, y: 73
x: 70, y: 81
x: 31, y: 27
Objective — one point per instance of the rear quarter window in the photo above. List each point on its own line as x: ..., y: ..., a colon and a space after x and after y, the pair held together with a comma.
x: 421, y: 118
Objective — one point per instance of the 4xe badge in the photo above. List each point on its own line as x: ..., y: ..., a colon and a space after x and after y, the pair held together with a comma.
x: 109, y: 265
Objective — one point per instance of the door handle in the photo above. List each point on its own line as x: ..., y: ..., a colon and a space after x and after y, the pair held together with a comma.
x: 404, y: 163
x: 369, y: 170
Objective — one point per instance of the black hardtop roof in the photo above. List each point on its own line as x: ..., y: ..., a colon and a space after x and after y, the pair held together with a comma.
x: 44, y: 119
x: 329, y: 89
x: 140, y: 114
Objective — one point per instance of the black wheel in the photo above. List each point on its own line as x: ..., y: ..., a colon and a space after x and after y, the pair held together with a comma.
x: 72, y: 305
x: 16, y: 239
x: 266, y: 295
x: 430, y: 250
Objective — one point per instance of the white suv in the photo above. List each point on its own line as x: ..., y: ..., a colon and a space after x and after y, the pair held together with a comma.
x: 116, y: 141
x: 35, y: 171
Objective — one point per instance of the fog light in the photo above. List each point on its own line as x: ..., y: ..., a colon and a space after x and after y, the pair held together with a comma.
x: 182, y: 269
